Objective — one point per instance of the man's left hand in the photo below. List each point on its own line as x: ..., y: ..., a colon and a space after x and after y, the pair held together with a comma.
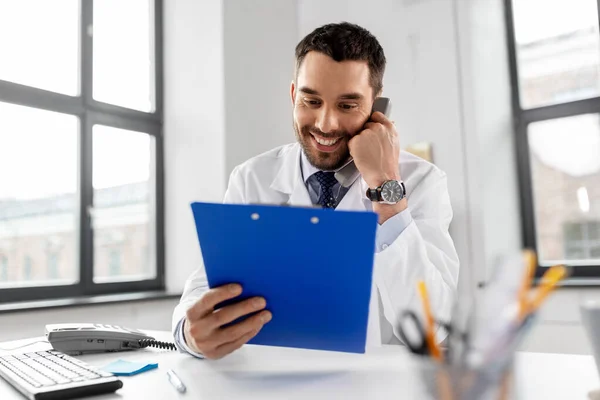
x: 376, y: 150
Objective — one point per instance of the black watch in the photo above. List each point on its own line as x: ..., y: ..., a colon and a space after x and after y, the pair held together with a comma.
x: 390, y: 192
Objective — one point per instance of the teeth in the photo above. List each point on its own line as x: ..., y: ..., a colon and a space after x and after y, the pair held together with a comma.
x: 330, y: 142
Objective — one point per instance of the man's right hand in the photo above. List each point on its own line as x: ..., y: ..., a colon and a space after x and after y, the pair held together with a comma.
x: 204, y: 331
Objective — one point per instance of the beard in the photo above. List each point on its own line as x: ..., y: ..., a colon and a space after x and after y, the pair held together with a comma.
x: 319, y: 159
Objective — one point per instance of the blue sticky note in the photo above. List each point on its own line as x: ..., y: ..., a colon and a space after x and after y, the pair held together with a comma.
x: 127, y: 368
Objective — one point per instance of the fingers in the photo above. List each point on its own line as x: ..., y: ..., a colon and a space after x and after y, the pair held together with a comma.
x: 229, y: 339
x: 232, y: 312
x: 380, y: 118
x: 230, y: 347
x: 234, y: 332
x: 210, y: 299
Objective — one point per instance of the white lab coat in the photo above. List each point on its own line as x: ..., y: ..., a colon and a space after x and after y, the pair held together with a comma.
x: 424, y: 250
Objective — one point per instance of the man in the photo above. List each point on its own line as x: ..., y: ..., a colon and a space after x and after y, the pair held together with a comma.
x: 339, y: 73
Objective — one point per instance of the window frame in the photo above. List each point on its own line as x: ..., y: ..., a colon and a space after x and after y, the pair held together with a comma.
x: 580, y: 274
x: 91, y: 112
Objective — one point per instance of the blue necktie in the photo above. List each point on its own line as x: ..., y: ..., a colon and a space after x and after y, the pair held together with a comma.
x: 327, y: 181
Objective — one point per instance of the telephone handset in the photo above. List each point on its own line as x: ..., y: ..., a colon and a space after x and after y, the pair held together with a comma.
x: 94, y: 338
x: 346, y: 174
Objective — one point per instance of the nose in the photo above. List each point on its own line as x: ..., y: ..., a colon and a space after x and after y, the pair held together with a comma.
x: 327, y: 120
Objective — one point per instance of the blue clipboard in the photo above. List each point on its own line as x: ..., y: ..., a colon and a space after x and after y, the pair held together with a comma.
x: 314, y: 267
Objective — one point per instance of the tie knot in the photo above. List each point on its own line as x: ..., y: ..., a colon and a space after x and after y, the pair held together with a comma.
x: 326, y: 179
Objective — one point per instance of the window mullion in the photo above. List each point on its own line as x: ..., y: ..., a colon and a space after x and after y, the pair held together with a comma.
x: 86, y: 192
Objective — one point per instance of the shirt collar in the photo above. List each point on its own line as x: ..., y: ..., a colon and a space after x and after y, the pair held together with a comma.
x: 309, y: 170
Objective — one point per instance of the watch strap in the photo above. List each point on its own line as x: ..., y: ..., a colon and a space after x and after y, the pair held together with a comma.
x: 374, y: 194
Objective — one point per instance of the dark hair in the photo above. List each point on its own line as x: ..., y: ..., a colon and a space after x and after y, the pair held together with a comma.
x: 346, y: 41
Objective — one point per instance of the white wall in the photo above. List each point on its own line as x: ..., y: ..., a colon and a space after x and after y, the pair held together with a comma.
x: 194, y: 125
x: 260, y: 37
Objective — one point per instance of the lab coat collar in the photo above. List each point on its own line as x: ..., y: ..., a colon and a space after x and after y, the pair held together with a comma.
x: 288, y: 179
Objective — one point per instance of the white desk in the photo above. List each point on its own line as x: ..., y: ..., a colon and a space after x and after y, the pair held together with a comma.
x: 260, y: 372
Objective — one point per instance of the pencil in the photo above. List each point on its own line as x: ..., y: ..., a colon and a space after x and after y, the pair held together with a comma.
x: 434, y: 348
x: 549, y: 281
x: 530, y: 264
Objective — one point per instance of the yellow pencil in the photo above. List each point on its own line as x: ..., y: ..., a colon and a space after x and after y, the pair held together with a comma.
x: 434, y: 348
x: 531, y: 262
x: 548, y: 283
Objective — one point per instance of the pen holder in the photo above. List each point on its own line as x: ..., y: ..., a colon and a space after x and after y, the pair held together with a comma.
x: 442, y: 381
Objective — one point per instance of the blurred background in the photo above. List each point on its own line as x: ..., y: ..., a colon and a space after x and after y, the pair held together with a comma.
x: 115, y: 115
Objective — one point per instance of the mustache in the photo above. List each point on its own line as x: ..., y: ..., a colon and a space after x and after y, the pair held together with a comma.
x: 307, y: 130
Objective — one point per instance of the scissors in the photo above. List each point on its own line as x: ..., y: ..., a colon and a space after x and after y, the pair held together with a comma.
x: 413, y: 333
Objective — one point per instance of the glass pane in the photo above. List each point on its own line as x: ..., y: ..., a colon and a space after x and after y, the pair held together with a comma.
x: 565, y: 167
x: 558, y: 50
x: 124, y: 53
x: 123, y: 214
x: 38, y: 197
x: 39, y: 44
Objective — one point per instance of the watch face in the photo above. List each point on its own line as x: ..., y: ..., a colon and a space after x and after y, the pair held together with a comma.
x: 392, y: 192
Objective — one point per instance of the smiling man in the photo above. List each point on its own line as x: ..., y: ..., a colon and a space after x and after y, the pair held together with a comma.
x: 348, y: 159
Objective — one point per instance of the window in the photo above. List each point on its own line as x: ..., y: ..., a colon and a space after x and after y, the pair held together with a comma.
x: 38, y: 203
x: 48, y: 37
x: 81, y: 200
x: 582, y: 241
x: 123, y: 165
x: 52, y: 266
x: 555, y: 74
x: 114, y: 263
x: 557, y: 50
x: 123, y: 36
x: 3, y: 268
x: 27, y: 268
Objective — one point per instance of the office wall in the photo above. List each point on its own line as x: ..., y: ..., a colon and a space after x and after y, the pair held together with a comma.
x: 194, y: 125
x: 260, y: 37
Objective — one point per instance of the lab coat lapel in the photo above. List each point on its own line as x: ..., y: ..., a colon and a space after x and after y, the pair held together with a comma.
x: 289, y: 179
x: 356, y: 198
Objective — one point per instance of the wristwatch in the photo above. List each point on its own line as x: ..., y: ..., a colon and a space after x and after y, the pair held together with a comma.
x: 390, y: 192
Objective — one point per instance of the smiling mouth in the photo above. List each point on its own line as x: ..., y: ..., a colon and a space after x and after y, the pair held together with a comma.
x: 326, y: 142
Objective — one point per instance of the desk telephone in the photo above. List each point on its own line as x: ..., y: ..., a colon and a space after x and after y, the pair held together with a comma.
x: 95, y: 338
x: 347, y: 172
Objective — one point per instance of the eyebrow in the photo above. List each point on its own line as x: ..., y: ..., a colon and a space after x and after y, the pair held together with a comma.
x: 347, y: 96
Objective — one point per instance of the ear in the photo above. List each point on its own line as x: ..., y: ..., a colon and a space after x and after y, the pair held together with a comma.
x: 293, y: 92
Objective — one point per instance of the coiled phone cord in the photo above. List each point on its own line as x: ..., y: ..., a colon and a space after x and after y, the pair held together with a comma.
x: 155, y: 343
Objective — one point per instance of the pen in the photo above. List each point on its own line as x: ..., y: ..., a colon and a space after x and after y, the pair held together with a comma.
x: 175, y: 381
x: 434, y: 349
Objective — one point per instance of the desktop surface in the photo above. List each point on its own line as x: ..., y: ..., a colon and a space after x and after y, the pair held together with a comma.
x: 262, y: 372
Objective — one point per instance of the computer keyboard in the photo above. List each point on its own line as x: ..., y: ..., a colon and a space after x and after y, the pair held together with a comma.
x: 49, y: 375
